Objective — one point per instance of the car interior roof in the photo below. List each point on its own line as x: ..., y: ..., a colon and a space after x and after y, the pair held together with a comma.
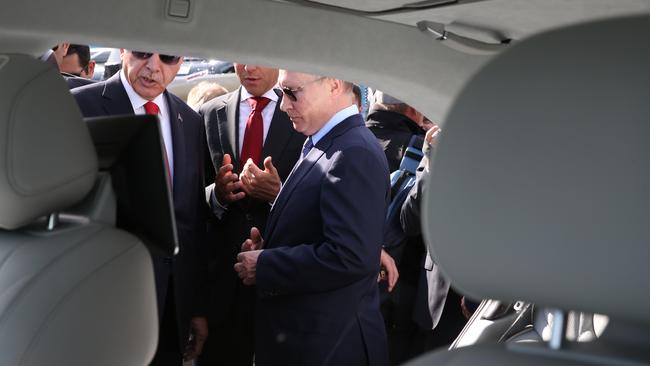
x: 381, y: 53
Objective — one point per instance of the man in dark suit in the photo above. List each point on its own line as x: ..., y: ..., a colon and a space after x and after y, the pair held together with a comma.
x: 139, y: 88
x: 437, y: 316
x: 239, y: 205
x: 394, y: 122
x: 316, y: 268
x: 76, y: 66
x: 73, y: 62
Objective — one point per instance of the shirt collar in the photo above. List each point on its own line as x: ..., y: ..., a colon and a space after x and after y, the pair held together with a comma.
x: 270, y: 94
x: 137, y: 101
x: 337, y: 118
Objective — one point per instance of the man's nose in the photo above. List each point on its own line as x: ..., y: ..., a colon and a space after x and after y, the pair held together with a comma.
x: 284, y: 104
x: 154, y: 62
x: 250, y: 68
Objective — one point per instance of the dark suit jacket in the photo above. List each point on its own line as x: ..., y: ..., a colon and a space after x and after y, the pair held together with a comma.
x: 75, y: 81
x: 318, y: 299
x: 283, y: 144
x: 393, y: 131
x: 187, y: 271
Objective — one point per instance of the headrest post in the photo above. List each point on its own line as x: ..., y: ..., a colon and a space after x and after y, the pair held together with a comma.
x: 53, y: 221
x: 558, y: 329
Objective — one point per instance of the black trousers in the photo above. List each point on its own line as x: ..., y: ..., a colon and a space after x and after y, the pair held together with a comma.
x: 406, y: 339
x: 168, y: 352
x: 232, y: 342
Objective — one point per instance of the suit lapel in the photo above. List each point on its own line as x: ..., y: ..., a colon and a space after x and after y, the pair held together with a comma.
x: 116, y: 101
x: 297, y: 174
x: 179, y: 146
x: 304, y: 166
x: 278, y: 136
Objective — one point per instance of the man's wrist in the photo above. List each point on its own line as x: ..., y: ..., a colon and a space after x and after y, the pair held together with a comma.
x: 217, y: 208
x: 218, y: 202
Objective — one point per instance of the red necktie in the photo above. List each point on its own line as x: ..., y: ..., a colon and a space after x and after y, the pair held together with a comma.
x: 254, y: 135
x: 152, y: 108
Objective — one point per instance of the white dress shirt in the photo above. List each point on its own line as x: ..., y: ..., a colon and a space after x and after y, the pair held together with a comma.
x: 245, y: 110
x: 137, y: 102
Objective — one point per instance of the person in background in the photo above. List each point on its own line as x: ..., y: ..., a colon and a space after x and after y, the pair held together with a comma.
x: 394, y: 122
x: 55, y: 55
x: 203, y: 92
x: 437, y: 317
x: 77, y: 62
x: 76, y: 66
x: 252, y: 147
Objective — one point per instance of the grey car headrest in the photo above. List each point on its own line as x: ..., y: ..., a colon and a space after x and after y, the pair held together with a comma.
x: 540, y: 186
x: 47, y: 160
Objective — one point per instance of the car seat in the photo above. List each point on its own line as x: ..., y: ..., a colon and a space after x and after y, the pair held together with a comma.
x: 540, y: 191
x: 73, y: 289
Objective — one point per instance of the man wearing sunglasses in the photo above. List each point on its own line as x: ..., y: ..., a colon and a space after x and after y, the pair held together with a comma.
x: 249, y: 171
x: 76, y: 66
x: 141, y: 88
x: 316, y: 264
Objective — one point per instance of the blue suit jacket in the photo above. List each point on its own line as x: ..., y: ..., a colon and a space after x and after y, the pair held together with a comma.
x: 317, y: 279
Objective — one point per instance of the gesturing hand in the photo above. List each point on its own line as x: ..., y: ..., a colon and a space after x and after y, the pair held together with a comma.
x: 247, y: 260
x: 199, y: 333
x: 246, y: 266
x: 261, y: 184
x: 255, y: 242
x: 388, y: 270
x: 227, y: 182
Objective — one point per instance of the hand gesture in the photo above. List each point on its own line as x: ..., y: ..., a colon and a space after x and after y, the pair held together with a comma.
x: 226, y: 183
x: 255, y: 242
x: 261, y: 184
x: 431, y: 137
x: 388, y: 270
x: 198, y: 335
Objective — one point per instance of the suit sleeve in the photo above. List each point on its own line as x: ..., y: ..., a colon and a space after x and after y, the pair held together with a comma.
x: 353, y: 205
x: 410, y: 212
x: 201, y: 305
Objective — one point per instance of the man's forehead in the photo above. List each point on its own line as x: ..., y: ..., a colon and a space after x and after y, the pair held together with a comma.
x: 291, y: 77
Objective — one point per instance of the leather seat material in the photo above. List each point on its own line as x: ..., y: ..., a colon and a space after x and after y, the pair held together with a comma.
x: 80, y: 295
x: 49, y: 161
x: 81, y: 292
x: 539, y: 190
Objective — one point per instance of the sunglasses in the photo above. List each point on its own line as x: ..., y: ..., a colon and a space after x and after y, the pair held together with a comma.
x: 291, y: 92
x: 166, y: 59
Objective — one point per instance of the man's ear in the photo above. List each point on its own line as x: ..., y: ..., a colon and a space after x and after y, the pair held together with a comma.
x: 336, y: 86
x: 91, y: 69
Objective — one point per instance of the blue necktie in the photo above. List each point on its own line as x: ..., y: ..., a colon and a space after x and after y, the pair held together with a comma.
x: 307, y: 147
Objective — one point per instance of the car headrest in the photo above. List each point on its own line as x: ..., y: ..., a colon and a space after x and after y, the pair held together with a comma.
x: 540, y: 186
x: 47, y: 159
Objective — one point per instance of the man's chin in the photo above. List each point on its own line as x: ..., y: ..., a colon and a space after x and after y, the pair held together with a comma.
x: 254, y: 89
x: 148, y: 93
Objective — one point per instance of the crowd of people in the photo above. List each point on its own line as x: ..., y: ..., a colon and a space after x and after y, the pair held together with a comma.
x: 281, y: 191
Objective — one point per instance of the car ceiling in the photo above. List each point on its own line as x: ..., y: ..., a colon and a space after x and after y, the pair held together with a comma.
x: 523, y: 17
x: 374, y: 42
